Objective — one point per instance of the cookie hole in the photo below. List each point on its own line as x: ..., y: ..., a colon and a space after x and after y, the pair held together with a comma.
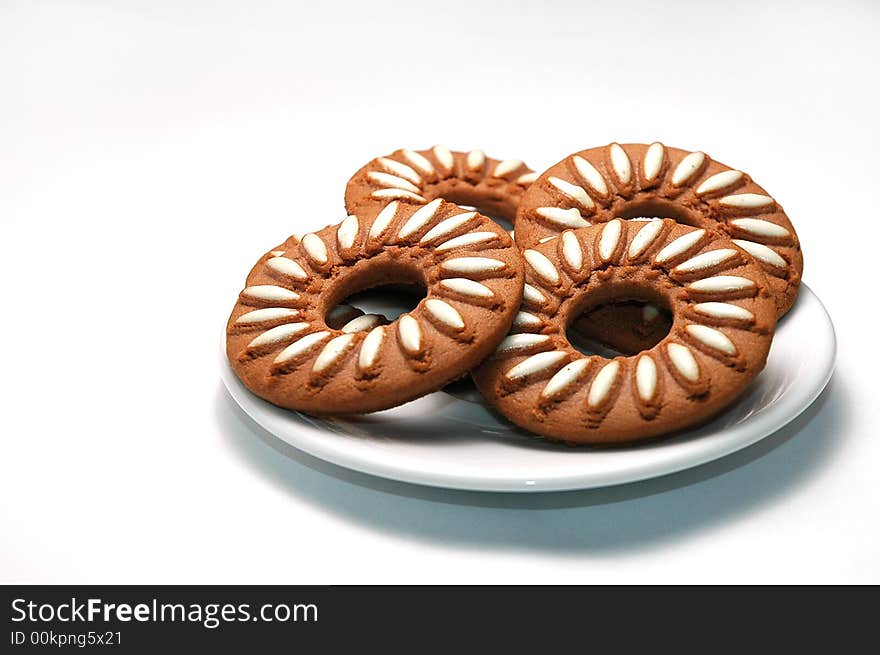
x: 388, y: 300
x: 616, y: 328
x: 656, y: 208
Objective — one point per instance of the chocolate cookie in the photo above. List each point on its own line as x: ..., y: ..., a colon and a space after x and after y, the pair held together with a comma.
x: 282, y: 346
x: 639, y: 180
x: 492, y: 186
x: 723, y: 313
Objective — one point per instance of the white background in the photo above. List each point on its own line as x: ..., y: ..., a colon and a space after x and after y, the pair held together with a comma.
x: 151, y: 151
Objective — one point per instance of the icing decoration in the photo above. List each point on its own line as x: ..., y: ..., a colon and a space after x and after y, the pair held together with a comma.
x: 278, y: 334
x: 653, y: 161
x: 563, y: 217
x: 603, y: 383
x: 684, y: 361
x: 542, y: 266
x: 331, y: 353
x: 536, y: 364
x: 467, y: 287
x: 300, y: 346
x: 711, y: 337
x: 644, y: 238
x: 287, y: 267
x: 563, y: 378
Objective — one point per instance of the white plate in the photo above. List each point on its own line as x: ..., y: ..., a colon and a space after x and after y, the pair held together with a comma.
x: 451, y: 439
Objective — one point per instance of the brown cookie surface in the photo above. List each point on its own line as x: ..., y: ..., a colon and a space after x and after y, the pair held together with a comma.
x: 493, y: 186
x: 281, y: 344
x: 641, y: 180
x: 724, y: 315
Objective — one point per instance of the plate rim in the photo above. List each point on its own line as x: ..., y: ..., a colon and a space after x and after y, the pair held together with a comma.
x: 737, y: 438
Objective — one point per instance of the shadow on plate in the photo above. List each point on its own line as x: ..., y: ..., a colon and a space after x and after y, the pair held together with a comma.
x: 599, y: 521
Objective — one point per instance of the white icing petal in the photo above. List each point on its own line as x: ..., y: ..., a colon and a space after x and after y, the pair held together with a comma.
x: 277, y: 253
x: 301, y: 346
x: 419, y: 161
x: 476, y: 159
x: 687, y: 167
x: 760, y: 228
x: 370, y: 348
x: 535, y: 364
x: 467, y: 287
x: 620, y: 163
x: 684, y: 361
x: 410, y: 334
x: 419, y: 219
x: 644, y: 238
x: 724, y: 310
x: 609, y: 238
x: 331, y: 353
x: 527, y: 178
x: 520, y: 342
x: 472, y: 265
x: 506, y: 167
x: 653, y: 161
x: 679, y: 246
x: 287, y: 267
x: 278, y: 334
x: 268, y: 314
x: 400, y: 170
x: 444, y: 156
x: 269, y: 293
x: 396, y: 194
x: 392, y: 181
x: 562, y: 217
x: 447, y: 225
x: 572, y: 191
x: 526, y: 321
x: 469, y: 239
x: 347, y: 232
x: 445, y: 313
x: 567, y: 375
x: 705, y: 260
x: 649, y: 312
x: 571, y: 251
x: 590, y: 175
x: 533, y: 295
x: 761, y: 252
x: 713, y: 338
x: 546, y: 239
x: 542, y: 266
x: 646, y: 378
x: 363, y: 323
x: 383, y: 220
x: 722, y: 284
x: 747, y: 201
x: 603, y: 383
x: 719, y: 181
x: 315, y: 248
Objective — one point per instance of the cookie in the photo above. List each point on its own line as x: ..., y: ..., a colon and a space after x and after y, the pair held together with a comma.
x: 282, y: 346
x: 639, y: 180
x: 724, y: 315
x: 472, y: 179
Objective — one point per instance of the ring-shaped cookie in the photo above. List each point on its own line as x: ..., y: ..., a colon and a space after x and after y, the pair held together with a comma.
x: 492, y: 186
x: 279, y: 342
x: 640, y: 180
x: 723, y: 322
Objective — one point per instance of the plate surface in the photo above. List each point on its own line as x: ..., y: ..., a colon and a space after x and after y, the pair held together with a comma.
x: 451, y: 439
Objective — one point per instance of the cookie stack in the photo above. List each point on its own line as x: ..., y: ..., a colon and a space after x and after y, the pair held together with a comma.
x: 680, y: 263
